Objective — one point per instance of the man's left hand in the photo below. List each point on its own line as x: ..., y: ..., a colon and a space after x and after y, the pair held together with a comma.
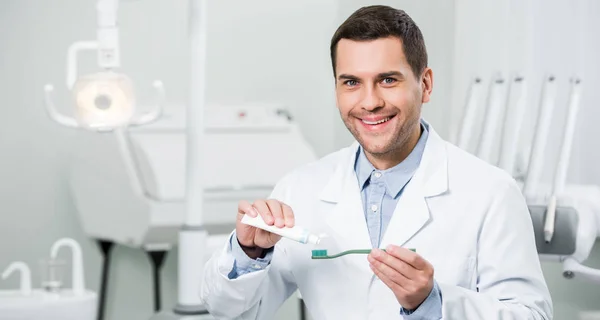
x: 406, y: 273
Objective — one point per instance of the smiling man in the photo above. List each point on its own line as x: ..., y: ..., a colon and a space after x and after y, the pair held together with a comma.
x: 400, y: 186
x: 379, y: 92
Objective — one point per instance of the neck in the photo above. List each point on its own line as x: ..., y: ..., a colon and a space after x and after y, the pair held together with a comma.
x: 390, y: 159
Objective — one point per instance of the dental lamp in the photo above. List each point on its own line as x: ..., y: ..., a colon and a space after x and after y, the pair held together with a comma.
x: 104, y: 101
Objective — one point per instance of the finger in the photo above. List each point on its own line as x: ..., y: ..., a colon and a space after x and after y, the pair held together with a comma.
x: 263, y: 210
x: 288, y: 214
x: 244, y: 207
x: 408, y: 256
x: 398, y: 265
x: 245, y: 233
x: 391, y: 273
x: 265, y: 239
x: 277, y: 212
x: 397, y: 289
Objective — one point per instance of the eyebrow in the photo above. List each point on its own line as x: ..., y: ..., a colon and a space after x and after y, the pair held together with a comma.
x: 390, y: 74
x: 379, y: 76
x: 347, y: 77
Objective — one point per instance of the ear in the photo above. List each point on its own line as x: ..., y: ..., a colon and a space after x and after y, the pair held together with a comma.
x: 427, y: 84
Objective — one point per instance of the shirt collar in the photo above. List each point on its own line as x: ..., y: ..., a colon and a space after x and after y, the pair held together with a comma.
x: 395, y: 178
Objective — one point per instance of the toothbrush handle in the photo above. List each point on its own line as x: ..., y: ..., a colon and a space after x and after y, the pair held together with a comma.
x: 362, y: 251
x: 356, y: 251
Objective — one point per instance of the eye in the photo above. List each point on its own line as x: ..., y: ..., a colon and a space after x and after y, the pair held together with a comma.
x: 350, y: 83
x: 388, y: 81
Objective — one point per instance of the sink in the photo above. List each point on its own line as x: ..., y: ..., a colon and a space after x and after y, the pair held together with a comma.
x: 51, y: 302
x: 48, y: 306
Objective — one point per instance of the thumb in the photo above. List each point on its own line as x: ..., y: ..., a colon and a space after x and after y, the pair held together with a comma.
x: 244, y: 207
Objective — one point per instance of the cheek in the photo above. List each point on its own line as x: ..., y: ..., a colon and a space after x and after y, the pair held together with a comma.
x: 346, y: 101
x: 399, y: 99
x: 408, y: 102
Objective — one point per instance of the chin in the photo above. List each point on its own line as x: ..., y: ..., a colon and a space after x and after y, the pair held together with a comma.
x: 376, y: 146
x: 378, y: 150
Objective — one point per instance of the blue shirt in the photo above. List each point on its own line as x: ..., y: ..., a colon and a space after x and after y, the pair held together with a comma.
x: 380, y: 191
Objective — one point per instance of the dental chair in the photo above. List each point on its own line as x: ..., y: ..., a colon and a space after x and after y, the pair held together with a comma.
x: 129, y: 186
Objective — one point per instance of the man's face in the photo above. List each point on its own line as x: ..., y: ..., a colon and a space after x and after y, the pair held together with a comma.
x: 378, y: 95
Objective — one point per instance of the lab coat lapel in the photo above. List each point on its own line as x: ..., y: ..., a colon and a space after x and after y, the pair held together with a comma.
x: 431, y: 179
x: 410, y: 215
x: 347, y: 219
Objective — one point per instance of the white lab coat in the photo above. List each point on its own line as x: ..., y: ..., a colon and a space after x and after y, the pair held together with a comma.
x: 466, y: 217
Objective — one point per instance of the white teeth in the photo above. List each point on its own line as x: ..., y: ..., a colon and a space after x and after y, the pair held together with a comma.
x: 376, y: 122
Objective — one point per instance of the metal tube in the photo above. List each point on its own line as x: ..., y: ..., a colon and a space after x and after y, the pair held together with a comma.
x: 195, y: 114
x: 513, y: 123
x: 542, y: 128
x: 492, y: 120
x: 193, y: 238
x: 468, y: 123
x: 560, y: 177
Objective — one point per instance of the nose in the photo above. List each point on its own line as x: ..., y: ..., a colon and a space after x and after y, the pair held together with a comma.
x: 371, y: 99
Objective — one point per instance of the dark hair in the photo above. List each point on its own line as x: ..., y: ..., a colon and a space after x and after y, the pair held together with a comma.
x: 375, y: 22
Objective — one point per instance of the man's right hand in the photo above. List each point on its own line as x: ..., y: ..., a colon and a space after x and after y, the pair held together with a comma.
x: 255, y: 241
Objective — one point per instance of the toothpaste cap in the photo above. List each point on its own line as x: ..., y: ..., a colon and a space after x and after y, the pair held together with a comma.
x: 313, y: 239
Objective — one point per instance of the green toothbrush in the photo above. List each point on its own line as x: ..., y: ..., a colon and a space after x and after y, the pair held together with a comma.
x: 322, y: 254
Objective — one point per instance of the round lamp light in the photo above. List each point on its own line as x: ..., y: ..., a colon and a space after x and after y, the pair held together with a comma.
x: 104, y: 100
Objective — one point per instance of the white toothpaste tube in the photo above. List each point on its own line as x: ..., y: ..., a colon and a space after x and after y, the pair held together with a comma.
x: 294, y: 233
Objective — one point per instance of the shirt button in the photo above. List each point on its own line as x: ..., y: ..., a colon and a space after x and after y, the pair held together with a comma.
x: 374, y: 208
x: 377, y: 174
x: 256, y: 266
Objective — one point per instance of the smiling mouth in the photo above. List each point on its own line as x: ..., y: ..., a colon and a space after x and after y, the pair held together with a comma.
x: 372, y: 123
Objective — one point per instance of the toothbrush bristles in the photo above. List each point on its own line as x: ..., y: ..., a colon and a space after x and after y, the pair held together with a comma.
x: 319, y: 253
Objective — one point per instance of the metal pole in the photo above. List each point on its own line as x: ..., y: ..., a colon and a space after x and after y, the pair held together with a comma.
x: 513, y: 124
x: 494, y: 112
x: 193, y: 237
x: 540, y: 138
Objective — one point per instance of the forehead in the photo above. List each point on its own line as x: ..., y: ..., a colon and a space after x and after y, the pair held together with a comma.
x: 371, y: 57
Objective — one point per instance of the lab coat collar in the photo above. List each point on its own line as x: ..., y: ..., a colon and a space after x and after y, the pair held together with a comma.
x: 433, y: 169
x: 411, y: 214
x: 397, y: 177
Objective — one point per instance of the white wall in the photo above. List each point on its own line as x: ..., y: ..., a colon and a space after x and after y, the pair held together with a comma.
x: 257, y: 51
